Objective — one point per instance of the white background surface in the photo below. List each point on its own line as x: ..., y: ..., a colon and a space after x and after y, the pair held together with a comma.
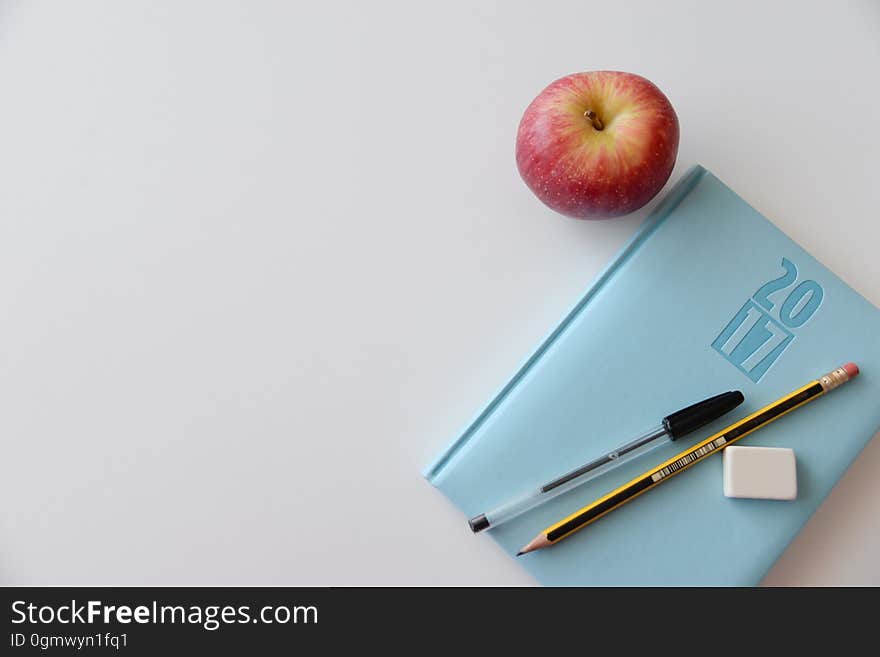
x: 261, y: 261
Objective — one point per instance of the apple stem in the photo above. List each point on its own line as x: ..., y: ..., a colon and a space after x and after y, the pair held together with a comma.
x: 594, y: 119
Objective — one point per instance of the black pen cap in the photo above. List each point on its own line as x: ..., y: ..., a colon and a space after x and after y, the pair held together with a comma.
x: 693, y: 417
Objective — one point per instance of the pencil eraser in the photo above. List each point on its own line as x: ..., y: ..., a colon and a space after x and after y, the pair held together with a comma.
x: 764, y: 473
x: 852, y: 369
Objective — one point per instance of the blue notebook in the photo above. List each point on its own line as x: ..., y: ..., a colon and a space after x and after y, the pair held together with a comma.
x: 708, y: 296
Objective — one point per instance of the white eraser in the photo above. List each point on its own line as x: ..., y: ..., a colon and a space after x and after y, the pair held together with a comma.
x: 766, y: 473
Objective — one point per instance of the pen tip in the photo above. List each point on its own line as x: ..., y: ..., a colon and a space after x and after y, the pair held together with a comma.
x: 519, y: 553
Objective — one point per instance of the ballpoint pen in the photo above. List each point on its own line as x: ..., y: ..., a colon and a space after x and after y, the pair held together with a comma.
x: 671, y: 427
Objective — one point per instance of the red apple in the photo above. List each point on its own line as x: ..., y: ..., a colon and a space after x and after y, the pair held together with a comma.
x: 597, y: 145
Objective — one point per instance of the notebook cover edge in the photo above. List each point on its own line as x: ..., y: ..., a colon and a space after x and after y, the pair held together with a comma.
x: 663, y: 209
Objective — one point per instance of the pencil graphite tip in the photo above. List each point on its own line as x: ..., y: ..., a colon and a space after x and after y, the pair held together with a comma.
x: 540, y: 541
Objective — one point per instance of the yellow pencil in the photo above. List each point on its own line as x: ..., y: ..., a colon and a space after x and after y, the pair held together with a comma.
x: 714, y: 443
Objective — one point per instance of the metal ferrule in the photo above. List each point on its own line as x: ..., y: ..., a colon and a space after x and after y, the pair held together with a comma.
x: 833, y: 379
